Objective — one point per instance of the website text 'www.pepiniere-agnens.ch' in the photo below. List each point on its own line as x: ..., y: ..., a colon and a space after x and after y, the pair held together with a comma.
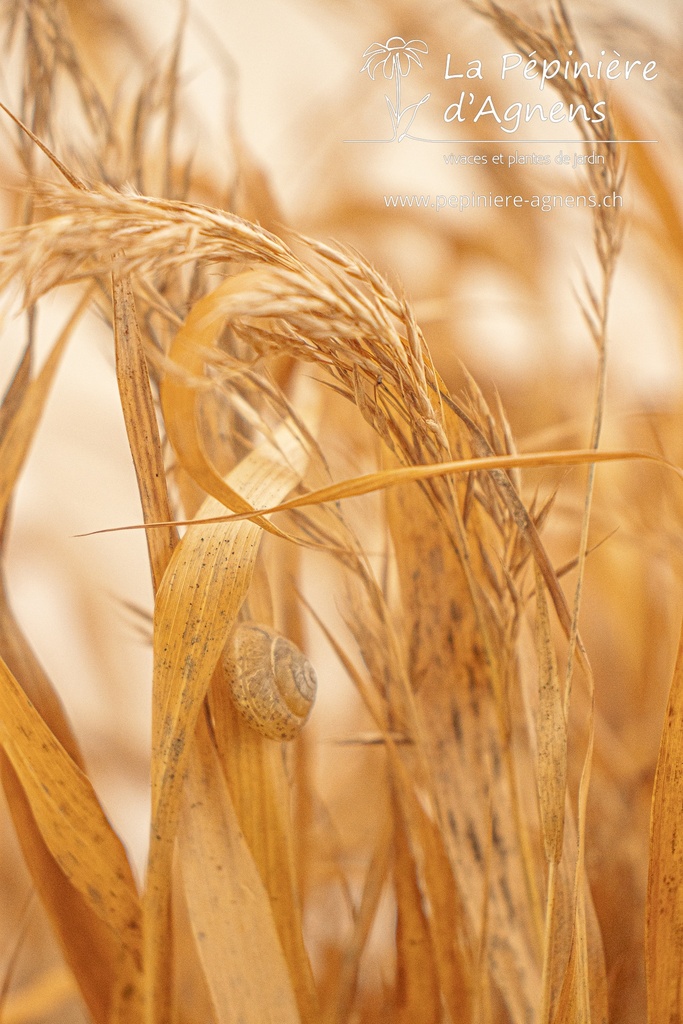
x: 484, y: 200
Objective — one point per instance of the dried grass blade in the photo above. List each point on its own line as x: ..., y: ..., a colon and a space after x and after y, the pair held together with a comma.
x: 73, y: 179
x: 141, y: 426
x: 418, y: 807
x: 355, y: 487
x: 178, y: 392
x: 91, y: 948
x: 10, y: 966
x: 42, y: 997
x: 417, y: 979
x: 261, y: 794
x: 229, y: 908
x: 197, y: 603
x: 664, y: 921
x: 651, y: 175
x: 583, y: 995
x: 552, y: 733
x: 344, y: 992
x: 551, y: 779
x: 449, y: 933
x: 16, y: 390
x: 573, y: 1006
x: 143, y: 437
x: 21, y: 428
x: 73, y: 826
x: 468, y: 756
x: 516, y: 507
x: 19, y: 418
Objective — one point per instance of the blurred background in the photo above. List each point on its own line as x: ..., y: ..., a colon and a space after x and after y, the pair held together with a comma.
x: 271, y: 93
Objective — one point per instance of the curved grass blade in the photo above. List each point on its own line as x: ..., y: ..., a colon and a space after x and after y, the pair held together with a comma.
x: 231, y: 914
x: 72, y: 824
x: 91, y: 947
x: 197, y: 603
x: 178, y: 393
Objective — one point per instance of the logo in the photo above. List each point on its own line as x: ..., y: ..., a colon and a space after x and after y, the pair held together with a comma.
x: 395, y: 58
x: 469, y: 101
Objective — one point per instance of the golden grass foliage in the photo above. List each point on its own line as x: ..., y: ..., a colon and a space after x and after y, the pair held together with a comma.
x: 473, y: 847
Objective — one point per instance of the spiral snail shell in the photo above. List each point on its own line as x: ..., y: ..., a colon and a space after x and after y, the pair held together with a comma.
x: 272, y: 682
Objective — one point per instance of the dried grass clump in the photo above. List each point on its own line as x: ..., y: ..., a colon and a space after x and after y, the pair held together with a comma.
x: 463, y: 869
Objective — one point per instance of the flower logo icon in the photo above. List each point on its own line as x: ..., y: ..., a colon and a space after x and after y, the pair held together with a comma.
x: 395, y: 58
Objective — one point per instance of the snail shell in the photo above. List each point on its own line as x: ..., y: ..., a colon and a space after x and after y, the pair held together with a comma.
x: 272, y: 682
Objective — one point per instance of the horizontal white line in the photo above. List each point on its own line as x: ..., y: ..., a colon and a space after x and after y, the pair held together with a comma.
x: 516, y: 142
